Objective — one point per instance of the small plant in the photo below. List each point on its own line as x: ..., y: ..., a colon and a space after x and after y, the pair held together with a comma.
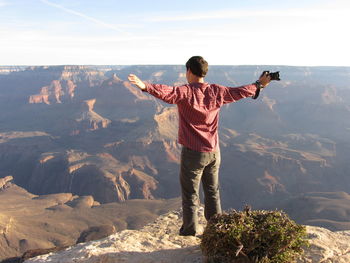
x: 254, y: 237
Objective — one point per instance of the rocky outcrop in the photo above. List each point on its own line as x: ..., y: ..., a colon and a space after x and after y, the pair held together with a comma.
x: 141, y: 184
x: 31, y: 222
x: 95, y: 233
x: 55, y: 92
x: 74, y: 172
x: 70, y: 88
x: 160, y: 242
x: 327, y: 246
x: 31, y: 254
x: 90, y: 120
x: 63, y: 82
x: 157, y: 242
x: 4, y: 181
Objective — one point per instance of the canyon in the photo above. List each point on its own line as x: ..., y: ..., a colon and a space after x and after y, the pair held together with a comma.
x: 85, y: 133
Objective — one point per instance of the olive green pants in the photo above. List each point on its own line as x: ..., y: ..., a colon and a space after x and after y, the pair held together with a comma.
x: 198, y: 167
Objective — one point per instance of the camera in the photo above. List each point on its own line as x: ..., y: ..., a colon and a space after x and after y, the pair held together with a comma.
x: 273, y: 75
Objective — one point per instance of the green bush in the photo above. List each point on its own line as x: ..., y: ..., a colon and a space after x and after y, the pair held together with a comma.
x: 253, y: 236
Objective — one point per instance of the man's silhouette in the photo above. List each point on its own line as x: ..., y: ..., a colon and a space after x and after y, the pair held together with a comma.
x: 198, y: 106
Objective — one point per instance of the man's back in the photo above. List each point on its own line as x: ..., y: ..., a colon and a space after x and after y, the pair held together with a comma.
x: 198, y: 105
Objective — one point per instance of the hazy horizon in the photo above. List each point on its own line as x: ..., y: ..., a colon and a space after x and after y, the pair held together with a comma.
x: 131, y: 65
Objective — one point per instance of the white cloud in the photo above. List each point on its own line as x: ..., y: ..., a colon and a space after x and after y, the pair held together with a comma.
x: 3, y: 3
x: 89, y: 18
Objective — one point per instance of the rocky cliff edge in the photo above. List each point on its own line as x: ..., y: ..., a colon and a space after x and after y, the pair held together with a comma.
x: 160, y: 242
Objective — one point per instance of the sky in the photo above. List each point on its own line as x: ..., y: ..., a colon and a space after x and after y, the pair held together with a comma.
x: 138, y: 32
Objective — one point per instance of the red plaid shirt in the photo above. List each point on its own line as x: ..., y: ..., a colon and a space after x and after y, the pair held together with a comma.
x: 198, y: 106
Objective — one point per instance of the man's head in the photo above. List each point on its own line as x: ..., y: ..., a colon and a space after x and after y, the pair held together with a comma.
x: 198, y: 66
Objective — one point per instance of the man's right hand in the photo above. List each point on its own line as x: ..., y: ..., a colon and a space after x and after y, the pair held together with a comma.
x: 136, y: 81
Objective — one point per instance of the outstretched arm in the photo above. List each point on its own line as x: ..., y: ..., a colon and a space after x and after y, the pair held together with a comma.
x: 166, y: 93
x: 137, y: 82
x: 232, y: 94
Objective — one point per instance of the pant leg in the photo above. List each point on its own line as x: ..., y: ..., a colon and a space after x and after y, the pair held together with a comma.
x: 210, y: 181
x: 192, y: 166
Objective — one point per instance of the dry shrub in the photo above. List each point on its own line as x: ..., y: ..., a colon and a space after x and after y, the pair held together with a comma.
x: 254, y: 237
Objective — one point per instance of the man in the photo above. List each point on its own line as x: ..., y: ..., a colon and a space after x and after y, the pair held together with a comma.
x: 198, y: 106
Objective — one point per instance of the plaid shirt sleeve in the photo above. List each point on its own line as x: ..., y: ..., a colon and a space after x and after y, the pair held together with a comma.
x: 168, y: 94
x: 232, y: 94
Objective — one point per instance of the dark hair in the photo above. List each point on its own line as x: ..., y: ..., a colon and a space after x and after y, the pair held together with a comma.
x: 197, y: 65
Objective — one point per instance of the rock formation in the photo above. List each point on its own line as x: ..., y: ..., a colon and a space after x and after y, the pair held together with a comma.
x: 157, y: 242
x: 160, y: 242
x: 4, y: 181
x: 64, y: 82
x: 55, y: 92
x: 32, y: 222
x: 95, y: 233
x: 101, y: 175
x: 49, y: 94
x: 90, y: 120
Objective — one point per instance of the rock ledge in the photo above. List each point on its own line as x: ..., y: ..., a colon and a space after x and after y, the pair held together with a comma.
x: 160, y: 242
